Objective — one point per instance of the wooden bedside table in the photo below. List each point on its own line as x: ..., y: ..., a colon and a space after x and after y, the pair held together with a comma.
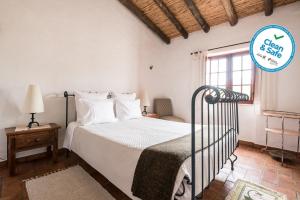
x: 23, y: 140
x: 152, y: 115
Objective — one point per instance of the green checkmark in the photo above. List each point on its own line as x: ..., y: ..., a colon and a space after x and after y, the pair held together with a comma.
x: 278, y: 37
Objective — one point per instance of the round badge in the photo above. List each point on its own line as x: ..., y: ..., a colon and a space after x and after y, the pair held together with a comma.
x: 272, y: 48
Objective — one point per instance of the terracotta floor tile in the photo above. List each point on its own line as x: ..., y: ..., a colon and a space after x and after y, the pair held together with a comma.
x: 286, y: 181
x: 253, y: 175
x: 228, y: 186
x: 287, y: 171
x: 234, y: 176
x: 226, y: 169
x: 296, y: 175
x: 240, y: 169
x: 269, y: 185
x: 270, y: 175
x: 291, y: 194
x: 222, y: 177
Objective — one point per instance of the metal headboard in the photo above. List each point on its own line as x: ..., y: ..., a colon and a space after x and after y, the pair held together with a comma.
x: 67, y: 95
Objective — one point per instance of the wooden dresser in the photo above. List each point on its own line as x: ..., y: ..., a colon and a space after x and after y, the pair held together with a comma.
x: 23, y: 140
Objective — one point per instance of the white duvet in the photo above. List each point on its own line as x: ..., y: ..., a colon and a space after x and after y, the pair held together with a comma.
x: 114, y: 148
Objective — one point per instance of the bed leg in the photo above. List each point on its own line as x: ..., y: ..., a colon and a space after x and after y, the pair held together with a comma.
x: 233, y: 161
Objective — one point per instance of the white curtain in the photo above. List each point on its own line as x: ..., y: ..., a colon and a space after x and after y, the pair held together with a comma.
x: 198, y: 70
x: 266, y: 91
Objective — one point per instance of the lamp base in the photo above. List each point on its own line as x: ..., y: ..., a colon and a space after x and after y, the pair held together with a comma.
x: 144, y: 113
x: 32, y: 121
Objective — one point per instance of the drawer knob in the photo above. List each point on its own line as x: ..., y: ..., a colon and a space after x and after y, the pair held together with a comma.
x: 37, y: 139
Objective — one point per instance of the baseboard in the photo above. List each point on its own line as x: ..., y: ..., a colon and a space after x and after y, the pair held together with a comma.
x: 32, y: 157
x: 258, y: 146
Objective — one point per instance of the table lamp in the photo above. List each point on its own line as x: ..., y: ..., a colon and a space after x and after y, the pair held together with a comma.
x: 33, y: 103
x: 145, y: 102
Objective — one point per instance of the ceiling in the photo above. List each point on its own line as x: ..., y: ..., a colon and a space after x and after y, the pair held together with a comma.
x: 175, y: 18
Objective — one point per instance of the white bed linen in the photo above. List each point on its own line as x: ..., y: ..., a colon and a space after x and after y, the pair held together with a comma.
x: 114, y: 148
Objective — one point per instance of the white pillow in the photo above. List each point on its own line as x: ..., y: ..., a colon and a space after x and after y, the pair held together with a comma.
x: 89, y: 96
x: 95, y: 111
x: 128, y: 109
x: 125, y: 96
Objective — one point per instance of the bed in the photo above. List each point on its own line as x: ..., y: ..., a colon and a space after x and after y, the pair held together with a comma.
x: 114, y: 149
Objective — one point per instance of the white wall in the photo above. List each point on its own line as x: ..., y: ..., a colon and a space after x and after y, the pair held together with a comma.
x: 173, y: 72
x: 65, y: 45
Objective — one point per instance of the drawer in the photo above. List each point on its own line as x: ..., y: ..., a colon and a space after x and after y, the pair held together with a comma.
x: 32, y: 140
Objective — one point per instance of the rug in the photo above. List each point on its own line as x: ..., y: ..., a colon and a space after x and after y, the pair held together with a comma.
x: 73, y: 183
x: 244, y: 190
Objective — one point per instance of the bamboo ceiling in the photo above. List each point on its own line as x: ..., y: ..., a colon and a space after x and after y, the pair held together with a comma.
x: 212, y: 12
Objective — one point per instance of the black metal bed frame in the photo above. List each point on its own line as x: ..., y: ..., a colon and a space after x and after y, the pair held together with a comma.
x: 222, y: 116
x: 67, y: 95
x: 223, y: 122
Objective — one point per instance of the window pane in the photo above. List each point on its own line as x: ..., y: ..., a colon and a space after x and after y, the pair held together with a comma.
x: 214, y: 79
x: 208, y: 66
x: 214, y: 66
x: 247, y: 77
x: 237, y: 63
x: 222, y: 65
x: 222, y: 79
x: 237, y: 78
x: 246, y: 89
x: 236, y: 88
x: 247, y: 62
x: 207, y: 79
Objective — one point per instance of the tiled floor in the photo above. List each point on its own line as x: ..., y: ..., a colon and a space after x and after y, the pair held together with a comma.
x: 259, y: 168
x: 251, y: 165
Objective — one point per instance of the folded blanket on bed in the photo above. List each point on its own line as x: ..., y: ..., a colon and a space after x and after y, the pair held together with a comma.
x: 157, y: 169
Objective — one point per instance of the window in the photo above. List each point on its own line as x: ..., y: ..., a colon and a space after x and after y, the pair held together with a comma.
x: 232, y: 71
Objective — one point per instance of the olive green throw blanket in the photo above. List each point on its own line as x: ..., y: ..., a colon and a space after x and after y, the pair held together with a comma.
x: 157, y: 169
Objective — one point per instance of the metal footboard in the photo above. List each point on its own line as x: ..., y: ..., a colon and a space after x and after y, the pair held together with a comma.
x: 219, y: 110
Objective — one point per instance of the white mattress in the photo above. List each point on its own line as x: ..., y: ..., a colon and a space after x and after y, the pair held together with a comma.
x: 114, y: 148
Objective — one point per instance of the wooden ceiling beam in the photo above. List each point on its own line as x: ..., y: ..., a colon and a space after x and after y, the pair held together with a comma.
x: 230, y: 12
x: 268, y: 7
x: 172, y: 18
x: 147, y: 21
x: 196, y: 13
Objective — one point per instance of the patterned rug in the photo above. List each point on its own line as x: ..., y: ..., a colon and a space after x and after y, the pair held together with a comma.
x: 244, y: 190
x: 72, y: 183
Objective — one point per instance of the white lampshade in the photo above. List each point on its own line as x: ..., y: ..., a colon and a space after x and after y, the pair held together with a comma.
x: 34, y: 100
x: 145, y: 99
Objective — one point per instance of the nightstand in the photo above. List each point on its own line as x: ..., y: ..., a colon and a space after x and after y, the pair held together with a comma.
x: 26, y: 139
x: 152, y: 115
